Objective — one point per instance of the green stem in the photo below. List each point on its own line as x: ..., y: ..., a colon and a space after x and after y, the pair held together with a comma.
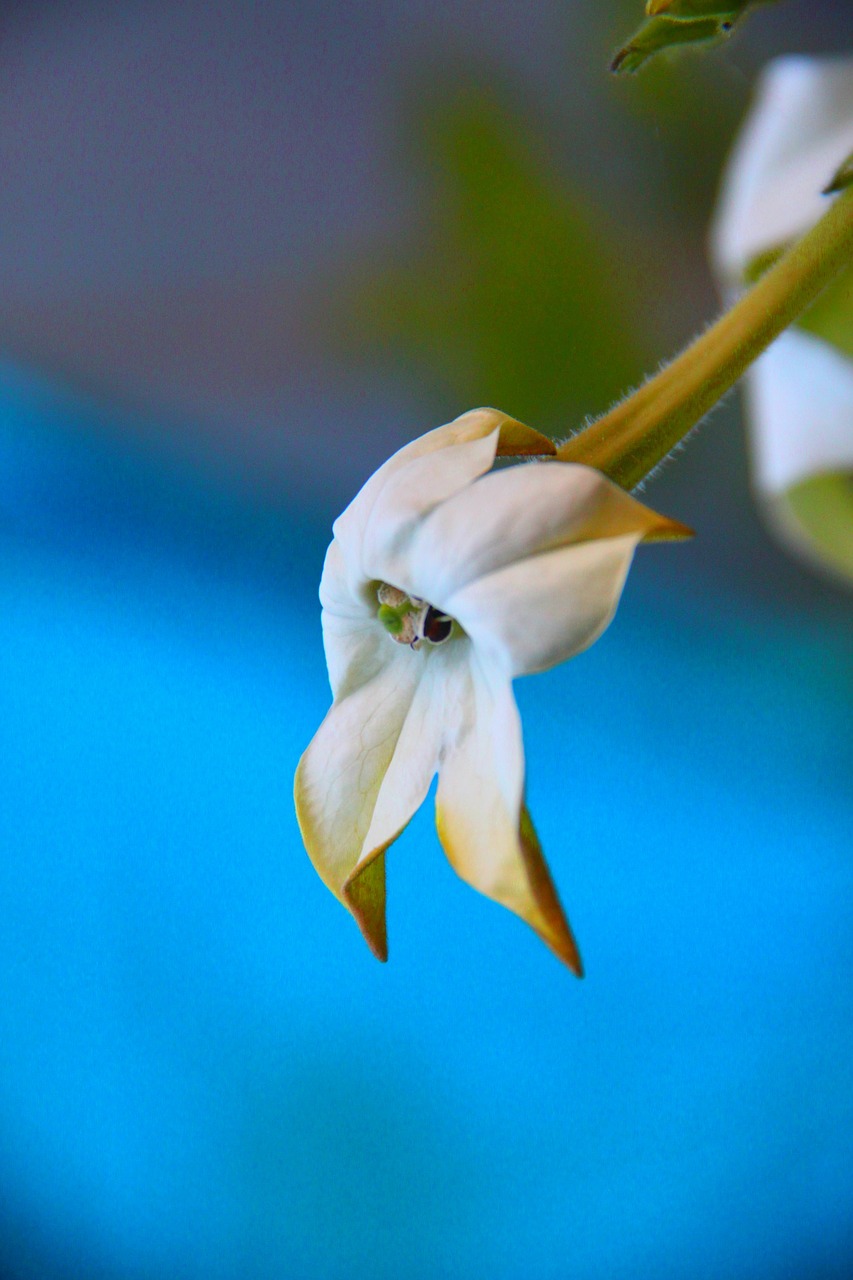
x: 637, y: 434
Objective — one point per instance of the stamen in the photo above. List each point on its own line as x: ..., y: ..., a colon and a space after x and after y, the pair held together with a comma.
x: 437, y: 626
x: 392, y: 596
x: 409, y: 619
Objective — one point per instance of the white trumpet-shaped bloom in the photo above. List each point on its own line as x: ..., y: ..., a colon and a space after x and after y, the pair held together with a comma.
x: 443, y: 583
x: 800, y: 392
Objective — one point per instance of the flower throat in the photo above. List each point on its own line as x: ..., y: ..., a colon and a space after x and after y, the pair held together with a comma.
x: 410, y: 620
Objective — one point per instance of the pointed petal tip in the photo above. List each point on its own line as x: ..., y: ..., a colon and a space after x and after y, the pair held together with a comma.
x: 516, y: 440
x: 530, y: 894
x: 566, y: 949
x: 667, y: 530
x: 378, y: 946
x: 561, y: 944
x: 551, y: 921
x: 364, y: 895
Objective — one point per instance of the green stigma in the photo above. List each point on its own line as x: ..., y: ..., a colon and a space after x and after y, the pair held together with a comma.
x: 392, y: 619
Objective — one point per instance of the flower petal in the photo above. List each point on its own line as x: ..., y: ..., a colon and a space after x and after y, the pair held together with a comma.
x: 364, y: 894
x: 356, y: 650
x: 531, y: 615
x: 337, y: 595
x: 798, y: 132
x: 369, y: 768
x: 439, y: 701
x: 488, y: 840
x: 356, y: 645
x: 339, y: 777
x: 373, y: 529
x: 513, y: 514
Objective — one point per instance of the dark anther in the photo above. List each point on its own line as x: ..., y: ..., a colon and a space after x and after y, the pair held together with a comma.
x: 437, y: 626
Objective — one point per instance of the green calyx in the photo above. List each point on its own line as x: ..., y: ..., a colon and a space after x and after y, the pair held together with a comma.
x: 689, y: 10
x: 672, y: 24
x: 659, y: 34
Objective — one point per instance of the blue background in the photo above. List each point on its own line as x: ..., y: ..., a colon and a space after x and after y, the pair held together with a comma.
x: 203, y: 1072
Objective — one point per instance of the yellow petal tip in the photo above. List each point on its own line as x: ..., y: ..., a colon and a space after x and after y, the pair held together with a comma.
x: 528, y: 892
x: 364, y: 894
x: 516, y: 440
x: 667, y: 530
x: 550, y: 920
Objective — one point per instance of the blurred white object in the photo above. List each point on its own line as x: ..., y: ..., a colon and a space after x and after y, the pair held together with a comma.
x: 800, y: 393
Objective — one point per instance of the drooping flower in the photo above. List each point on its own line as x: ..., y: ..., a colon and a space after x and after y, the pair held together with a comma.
x: 797, y: 136
x: 443, y: 583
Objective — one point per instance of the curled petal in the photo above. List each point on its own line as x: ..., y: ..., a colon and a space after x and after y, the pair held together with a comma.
x: 488, y: 839
x: 533, y: 614
x: 515, y: 440
x: 407, y: 496
x: 798, y: 133
x: 509, y: 516
x: 356, y: 651
x: 336, y: 590
x: 374, y: 528
x: 356, y: 647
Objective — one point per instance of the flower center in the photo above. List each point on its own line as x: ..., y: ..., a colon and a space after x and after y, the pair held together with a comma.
x: 410, y: 620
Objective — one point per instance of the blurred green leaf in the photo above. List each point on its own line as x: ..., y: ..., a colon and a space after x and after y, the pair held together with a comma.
x: 514, y: 291
x: 831, y: 317
x: 822, y: 507
x: 680, y: 104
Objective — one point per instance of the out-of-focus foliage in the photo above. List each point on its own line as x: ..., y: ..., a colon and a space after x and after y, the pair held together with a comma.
x: 515, y: 290
x: 831, y: 317
x: 672, y: 99
x: 671, y: 24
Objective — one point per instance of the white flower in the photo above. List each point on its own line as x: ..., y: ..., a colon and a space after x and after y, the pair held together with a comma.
x: 800, y: 393
x: 441, y: 584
